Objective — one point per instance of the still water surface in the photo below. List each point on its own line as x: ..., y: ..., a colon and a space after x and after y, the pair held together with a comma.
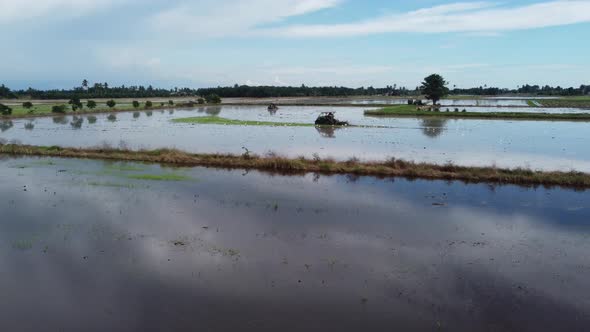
x: 89, y: 246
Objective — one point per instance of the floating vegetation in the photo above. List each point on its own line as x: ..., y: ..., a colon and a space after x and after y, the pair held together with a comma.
x: 23, y: 245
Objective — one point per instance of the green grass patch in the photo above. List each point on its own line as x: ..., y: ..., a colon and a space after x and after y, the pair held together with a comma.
x: 413, y: 111
x: 532, y: 103
x: 573, y: 102
x: 229, y: 122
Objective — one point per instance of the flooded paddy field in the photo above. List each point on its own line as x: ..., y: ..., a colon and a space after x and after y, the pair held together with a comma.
x: 539, y: 145
x: 463, y: 101
x: 95, y: 246
x: 450, y: 102
x: 508, y: 109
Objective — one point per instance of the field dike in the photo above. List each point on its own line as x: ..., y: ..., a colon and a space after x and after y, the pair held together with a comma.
x: 273, y: 163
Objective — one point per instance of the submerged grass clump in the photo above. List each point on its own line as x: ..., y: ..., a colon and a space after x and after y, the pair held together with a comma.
x: 111, y: 185
x: 274, y: 163
x: 124, y: 168
x: 223, y: 121
x: 159, y: 177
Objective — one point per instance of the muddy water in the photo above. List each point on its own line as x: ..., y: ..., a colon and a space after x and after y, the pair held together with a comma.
x: 533, y: 144
x: 95, y: 246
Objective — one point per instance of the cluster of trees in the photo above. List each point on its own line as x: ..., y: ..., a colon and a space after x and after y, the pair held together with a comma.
x: 534, y: 90
x: 98, y: 90
x: 6, y: 93
x: 103, y: 90
x: 5, y: 110
x: 302, y: 91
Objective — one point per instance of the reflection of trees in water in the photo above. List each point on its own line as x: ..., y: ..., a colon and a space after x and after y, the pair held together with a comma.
x: 433, y: 127
x: 5, y: 125
x: 60, y: 120
x: 211, y: 110
x: 29, y: 125
x: 272, y: 111
x: 327, y: 131
x: 77, y: 122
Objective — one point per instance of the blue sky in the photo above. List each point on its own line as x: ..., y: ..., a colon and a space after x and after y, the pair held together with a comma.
x: 57, y: 43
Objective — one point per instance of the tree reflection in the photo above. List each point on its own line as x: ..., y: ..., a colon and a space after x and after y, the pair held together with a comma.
x: 5, y: 125
x: 77, y: 122
x: 433, y: 127
x: 60, y: 120
x: 213, y: 110
x: 29, y: 125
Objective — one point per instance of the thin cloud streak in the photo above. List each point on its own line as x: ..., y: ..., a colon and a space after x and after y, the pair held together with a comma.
x: 483, y: 17
x: 210, y: 19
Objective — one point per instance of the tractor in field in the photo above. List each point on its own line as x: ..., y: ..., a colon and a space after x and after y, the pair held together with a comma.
x: 328, y: 119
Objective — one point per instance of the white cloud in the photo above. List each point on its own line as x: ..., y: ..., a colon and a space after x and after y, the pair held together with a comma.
x: 483, y: 17
x: 213, y: 18
x: 13, y: 10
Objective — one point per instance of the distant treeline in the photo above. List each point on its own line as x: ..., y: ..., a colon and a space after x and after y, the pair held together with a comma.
x: 98, y: 90
x: 103, y: 90
x: 304, y: 91
x: 533, y: 90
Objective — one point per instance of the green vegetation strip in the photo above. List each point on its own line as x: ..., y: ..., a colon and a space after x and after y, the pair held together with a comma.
x: 575, y: 102
x: 223, y: 121
x: 390, y: 168
x: 412, y: 111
